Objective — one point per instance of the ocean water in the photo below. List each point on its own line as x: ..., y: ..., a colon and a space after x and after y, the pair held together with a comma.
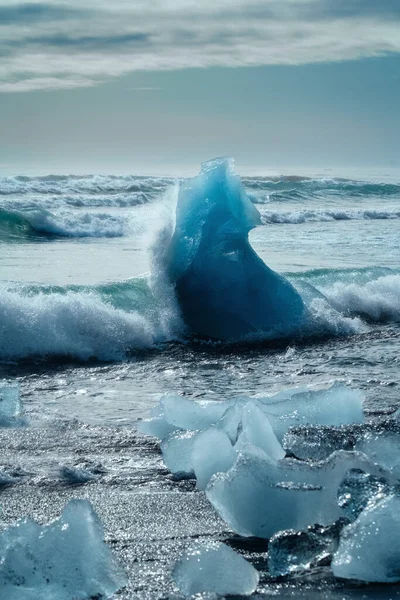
x: 94, y: 340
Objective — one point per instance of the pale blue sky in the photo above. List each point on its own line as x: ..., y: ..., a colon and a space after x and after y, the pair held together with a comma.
x: 279, y: 85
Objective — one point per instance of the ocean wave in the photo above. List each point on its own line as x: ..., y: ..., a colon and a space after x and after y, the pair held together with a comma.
x: 287, y: 189
x: 128, y: 190
x: 108, y: 322
x: 306, y: 216
x: 89, y: 184
x: 104, y: 322
x: 79, y: 325
x: 15, y: 225
x: 377, y: 300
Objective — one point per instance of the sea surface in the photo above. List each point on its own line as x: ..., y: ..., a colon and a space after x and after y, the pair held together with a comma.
x: 94, y: 342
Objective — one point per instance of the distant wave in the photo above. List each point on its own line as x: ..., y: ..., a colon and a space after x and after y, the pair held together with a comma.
x: 18, y: 226
x: 305, y: 216
x: 289, y: 189
x: 89, y: 185
x: 129, y: 190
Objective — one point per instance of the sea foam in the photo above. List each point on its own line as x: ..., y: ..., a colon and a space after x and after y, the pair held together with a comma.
x: 79, y: 324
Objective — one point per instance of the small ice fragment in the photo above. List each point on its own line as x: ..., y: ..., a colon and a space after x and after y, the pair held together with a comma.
x: 10, y: 405
x: 76, y: 475
x: 177, y: 452
x: 62, y: 560
x: 369, y: 548
x: 7, y: 479
x: 212, y: 453
x: 298, y: 551
x: 214, y: 567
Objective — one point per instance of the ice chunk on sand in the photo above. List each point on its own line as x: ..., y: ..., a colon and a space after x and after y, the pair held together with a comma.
x: 177, y: 452
x: 157, y: 427
x: 10, y: 405
x: 212, y: 452
x: 337, y: 405
x: 177, y: 413
x: 297, y: 551
x: 214, y: 567
x: 224, y: 290
x: 369, y: 548
x: 63, y: 560
x: 259, y: 496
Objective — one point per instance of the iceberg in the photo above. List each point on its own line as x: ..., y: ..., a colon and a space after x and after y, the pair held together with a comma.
x: 224, y: 290
x: 214, y: 568
x: 63, y: 560
x: 369, y: 548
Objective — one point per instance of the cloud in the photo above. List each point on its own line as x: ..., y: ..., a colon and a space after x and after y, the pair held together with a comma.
x: 60, y: 45
x: 33, y: 12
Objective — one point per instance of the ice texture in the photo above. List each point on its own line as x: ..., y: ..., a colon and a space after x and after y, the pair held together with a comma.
x: 369, y: 548
x: 292, y: 552
x: 212, y: 452
x: 178, y: 413
x: 383, y: 448
x: 63, y: 560
x: 177, y: 453
x: 225, y: 291
x: 336, y: 405
x: 202, y: 438
x: 257, y: 430
x: 259, y: 496
x: 215, y: 568
x: 10, y: 405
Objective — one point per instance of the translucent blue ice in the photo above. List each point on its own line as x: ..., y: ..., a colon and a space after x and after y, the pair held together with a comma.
x: 63, y: 560
x: 369, y: 548
x: 259, y: 496
x: 224, y: 289
x: 216, y: 568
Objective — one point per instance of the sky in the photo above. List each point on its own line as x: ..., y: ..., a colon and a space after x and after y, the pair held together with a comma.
x: 133, y: 86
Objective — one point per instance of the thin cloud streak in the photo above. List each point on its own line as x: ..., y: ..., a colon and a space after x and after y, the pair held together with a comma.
x: 57, y: 45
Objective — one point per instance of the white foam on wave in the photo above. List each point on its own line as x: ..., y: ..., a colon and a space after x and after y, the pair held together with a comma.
x: 308, y: 216
x: 378, y: 300
x: 75, y: 184
x: 77, y: 224
x: 74, y: 324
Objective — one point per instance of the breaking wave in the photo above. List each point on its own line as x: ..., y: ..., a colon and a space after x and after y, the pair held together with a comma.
x: 18, y: 226
x: 109, y: 322
x: 306, y: 216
